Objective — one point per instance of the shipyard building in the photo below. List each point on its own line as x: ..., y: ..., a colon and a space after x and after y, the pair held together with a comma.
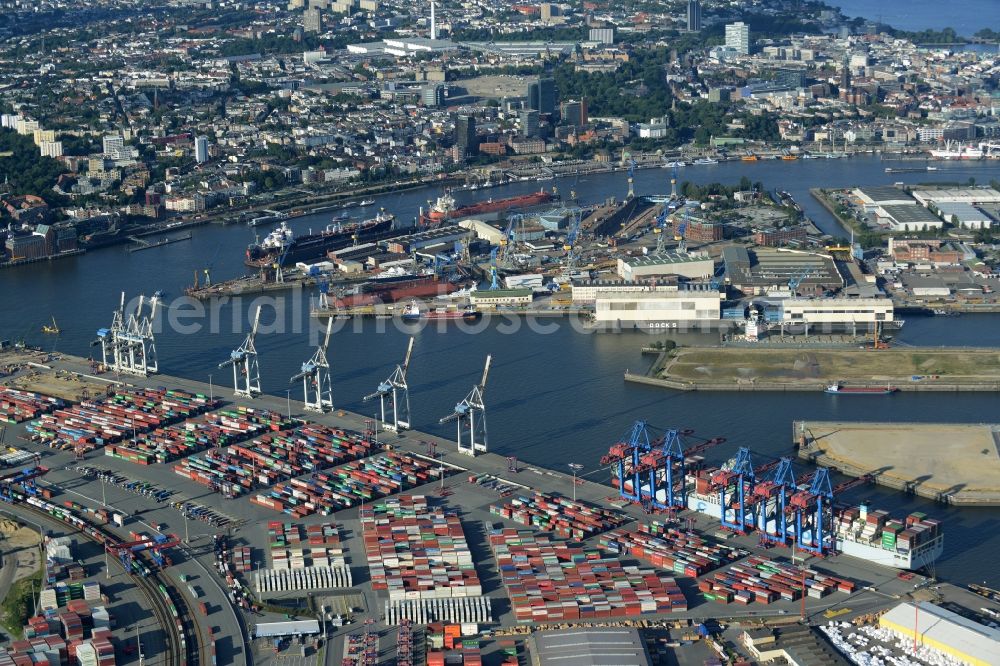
x: 666, y: 263
x: 688, y: 305
x: 766, y: 270
x: 960, y: 638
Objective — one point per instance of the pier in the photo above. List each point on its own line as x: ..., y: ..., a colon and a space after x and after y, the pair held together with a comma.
x: 946, y: 462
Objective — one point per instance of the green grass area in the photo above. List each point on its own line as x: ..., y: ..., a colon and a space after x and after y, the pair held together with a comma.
x: 829, y: 365
x: 19, y: 604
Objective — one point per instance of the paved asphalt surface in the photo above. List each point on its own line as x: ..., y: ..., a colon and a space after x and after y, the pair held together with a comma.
x: 878, y: 587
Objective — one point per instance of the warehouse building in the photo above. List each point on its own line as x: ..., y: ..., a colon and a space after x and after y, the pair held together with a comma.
x: 952, y: 634
x: 768, y: 270
x: 968, y: 195
x: 293, y: 628
x: 521, y: 296
x: 664, y: 264
x: 689, y: 305
x: 963, y: 215
x: 422, y: 239
x: 873, y: 197
x: 585, y: 291
x: 594, y: 646
x: 908, y: 218
x: 483, y: 230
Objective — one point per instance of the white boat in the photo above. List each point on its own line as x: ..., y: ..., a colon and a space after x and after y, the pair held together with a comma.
x: 958, y: 151
x: 366, y: 202
x: 809, y: 156
x: 677, y: 164
x: 706, y: 160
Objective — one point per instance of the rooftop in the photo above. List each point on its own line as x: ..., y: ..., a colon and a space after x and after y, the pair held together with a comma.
x: 943, y: 626
x: 664, y: 258
x: 911, y: 215
x: 590, y: 647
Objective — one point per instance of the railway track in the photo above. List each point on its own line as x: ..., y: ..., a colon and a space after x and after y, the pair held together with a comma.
x: 169, y: 607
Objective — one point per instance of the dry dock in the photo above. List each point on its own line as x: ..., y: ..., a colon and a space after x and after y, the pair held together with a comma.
x: 948, y: 462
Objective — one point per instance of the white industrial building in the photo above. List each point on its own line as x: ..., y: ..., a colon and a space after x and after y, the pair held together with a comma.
x: 650, y: 309
x: 969, y: 195
x: 908, y: 218
x: 666, y: 263
x: 963, y: 215
x: 836, y: 312
x: 873, y: 197
x: 483, y: 230
x: 585, y: 291
x: 960, y: 638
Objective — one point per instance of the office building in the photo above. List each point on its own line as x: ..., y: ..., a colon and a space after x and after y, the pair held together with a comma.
x: 465, y: 135
x: 433, y: 95
x: 738, y: 37
x: 113, y: 145
x: 312, y: 20
x: 573, y: 112
x: 529, y: 122
x: 694, y: 16
x: 201, y: 149
x: 602, y: 35
x: 542, y: 96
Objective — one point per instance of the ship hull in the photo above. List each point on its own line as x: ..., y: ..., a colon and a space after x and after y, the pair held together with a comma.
x: 316, y: 246
x: 398, y: 292
x: 487, y: 207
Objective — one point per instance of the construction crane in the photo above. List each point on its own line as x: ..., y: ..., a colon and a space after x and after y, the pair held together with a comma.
x: 466, y: 411
x: 659, y: 229
x: 494, y: 282
x: 631, y: 179
x: 129, y: 346
x: 653, y: 472
x: 317, y: 386
x: 770, y: 498
x: 246, y: 370
x: 740, y: 477
x: 508, y: 244
x: 796, y: 280
x: 570, y: 245
x: 398, y: 416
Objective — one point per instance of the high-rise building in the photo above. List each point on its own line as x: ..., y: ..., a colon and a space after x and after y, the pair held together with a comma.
x: 529, y: 122
x: 51, y: 148
x: 602, y: 35
x: 694, y: 16
x: 201, y: 149
x: 542, y: 96
x: 573, y: 112
x: 433, y: 95
x: 114, y: 144
x: 312, y: 20
x: 465, y: 135
x: 738, y: 37
x: 845, y: 76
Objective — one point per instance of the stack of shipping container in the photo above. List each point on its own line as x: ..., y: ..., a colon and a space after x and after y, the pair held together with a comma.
x: 875, y: 528
x: 684, y: 553
x: 350, y: 485
x: 555, y: 581
x: 565, y: 517
x: 194, y: 435
x: 419, y: 555
x: 92, y: 424
x: 17, y: 406
x: 765, y: 581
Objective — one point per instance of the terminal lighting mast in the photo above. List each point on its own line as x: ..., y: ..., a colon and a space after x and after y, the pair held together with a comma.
x: 246, y: 371
x: 317, y: 387
x: 398, y: 417
x: 466, y: 411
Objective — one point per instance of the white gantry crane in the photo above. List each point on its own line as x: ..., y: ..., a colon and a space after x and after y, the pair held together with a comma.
x: 246, y: 370
x: 317, y: 387
x: 398, y: 416
x: 466, y: 411
x: 129, y: 346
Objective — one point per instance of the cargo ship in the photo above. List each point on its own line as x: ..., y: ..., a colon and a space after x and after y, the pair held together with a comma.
x: 858, y: 531
x: 837, y: 389
x: 397, y: 290
x: 283, y: 245
x: 414, y: 312
x: 445, y: 208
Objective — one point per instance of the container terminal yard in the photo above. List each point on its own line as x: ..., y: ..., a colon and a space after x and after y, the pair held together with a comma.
x: 256, y: 515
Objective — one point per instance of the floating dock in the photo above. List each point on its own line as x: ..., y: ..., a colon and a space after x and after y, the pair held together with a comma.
x: 949, y: 462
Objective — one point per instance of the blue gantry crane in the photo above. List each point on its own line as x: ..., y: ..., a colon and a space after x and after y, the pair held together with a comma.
x: 770, y: 500
x: 740, y: 480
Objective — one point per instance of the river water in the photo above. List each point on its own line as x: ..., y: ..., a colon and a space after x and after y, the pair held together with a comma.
x: 555, y: 395
x: 915, y: 15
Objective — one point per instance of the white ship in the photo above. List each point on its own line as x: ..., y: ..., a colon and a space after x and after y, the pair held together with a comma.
x: 958, y: 151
